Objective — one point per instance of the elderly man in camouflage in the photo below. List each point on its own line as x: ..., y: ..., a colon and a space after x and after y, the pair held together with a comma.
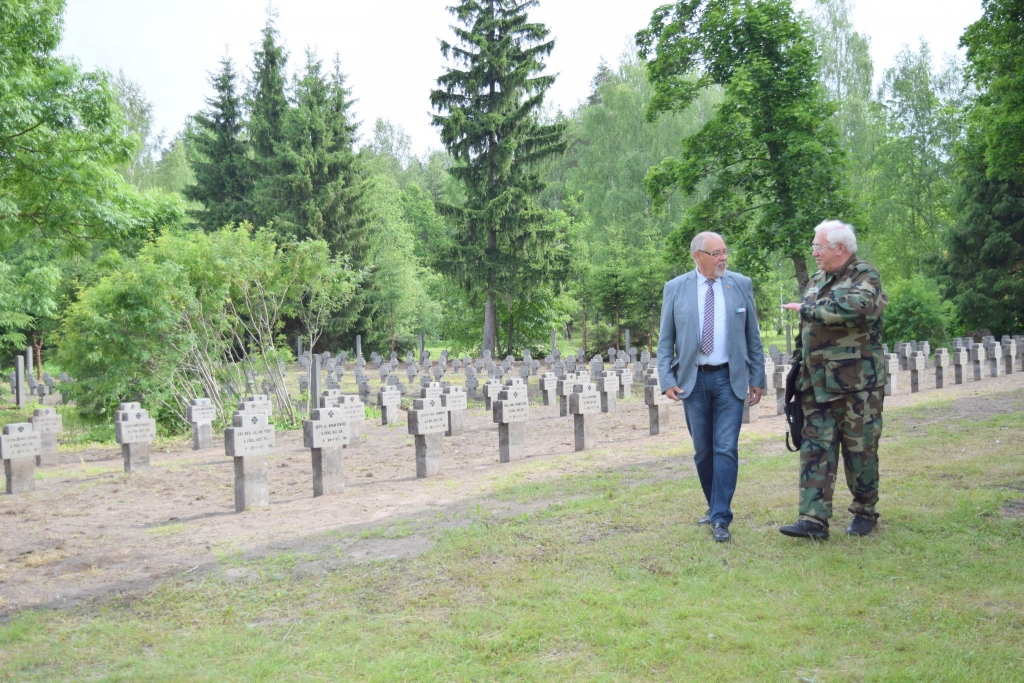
x: 842, y: 380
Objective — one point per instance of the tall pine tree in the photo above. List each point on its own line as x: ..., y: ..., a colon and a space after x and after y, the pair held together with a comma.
x: 489, y: 104
x: 268, y: 107
x: 218, y: 155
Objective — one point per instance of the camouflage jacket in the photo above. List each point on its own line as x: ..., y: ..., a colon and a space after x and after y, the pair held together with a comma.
x: 840, y: 340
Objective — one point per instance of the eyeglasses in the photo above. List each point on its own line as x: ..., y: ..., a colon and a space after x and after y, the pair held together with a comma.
x: 817, y: 248
x: 715, y: 254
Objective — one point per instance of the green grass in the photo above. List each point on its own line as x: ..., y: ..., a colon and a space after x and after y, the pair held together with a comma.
x: 614, y: 582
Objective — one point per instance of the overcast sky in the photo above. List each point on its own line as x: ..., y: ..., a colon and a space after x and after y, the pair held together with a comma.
x: 390, y: 49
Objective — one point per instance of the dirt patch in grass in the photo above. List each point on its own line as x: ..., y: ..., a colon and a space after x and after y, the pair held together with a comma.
x: 1014, y: 509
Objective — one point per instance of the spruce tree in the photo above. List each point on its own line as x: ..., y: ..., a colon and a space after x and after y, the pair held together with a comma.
x: 489, y: 103
x: 268, y: 107
x: 316, y: 168
x: 218, y: 155
x: 319, y: 180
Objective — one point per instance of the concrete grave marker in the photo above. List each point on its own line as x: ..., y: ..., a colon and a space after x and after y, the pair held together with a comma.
x: 994, y: 351
x: 19, y: 449
x: 1009, y: 353
x: 657, y: 405
x: 388, y: 399
x: 779, y: 380
x: 941, y: 361
x: 428, y: 421
x: 607, y: 387
x: 961, y: 357
x: 548, y: 383
x: 511, y: 410
x: 562, y: 390
x: 625, y: 382
x: 200, y: 416
x: 352, y: 410
x: 978, y: 358
x: 584, y: 405
x: 915, y: 363
x: 249, y: 440
x: 892, y: 368
x: 454, y: 401
x: 47, y: 424
x: 326, y: 435
x: 490, y: 390
x: 134, y: 429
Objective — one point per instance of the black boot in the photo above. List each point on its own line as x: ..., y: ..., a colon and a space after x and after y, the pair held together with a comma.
x: 861, y: 526
x: 803, y: 528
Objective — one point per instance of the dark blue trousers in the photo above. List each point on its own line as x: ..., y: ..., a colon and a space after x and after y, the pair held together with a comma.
x: 714, y: 416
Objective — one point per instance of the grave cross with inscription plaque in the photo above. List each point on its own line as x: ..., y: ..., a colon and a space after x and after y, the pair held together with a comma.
x: 428, y: 421
x: 625, y: 382
x: 548, y: 383
x: 388, y: 399
x: 491, y: 389
x: 326, y: 435
x: 941, y: 361
x: 248, y: 441
x: 584, y: 405
x: 454, y: 401
x: 657, y: 404
x: 134, y: 429
x: 353, y: 411
x: 47, y: 423
x: 562, y: 390
x: 607, y: 386
x: 19, y: 448
x: 511, y: 409
x: 201, y: 415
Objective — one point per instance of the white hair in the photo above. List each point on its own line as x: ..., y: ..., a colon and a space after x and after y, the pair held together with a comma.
x: 700, y: 239
x: 837, y: 232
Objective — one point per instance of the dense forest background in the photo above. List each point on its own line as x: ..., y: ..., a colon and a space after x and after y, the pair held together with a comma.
x: 142, y: 265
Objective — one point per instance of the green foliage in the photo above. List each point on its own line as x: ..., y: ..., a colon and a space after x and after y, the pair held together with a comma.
x: 191, y: 313
x: 218, y: 154
x: 500, y: 243
x: 982, y: 266
x: 402, y: 304
x: 63, y: 140
x: 768, y: 165
x: 911, y: 192
x: 121, y: 340
x: 916, y: 311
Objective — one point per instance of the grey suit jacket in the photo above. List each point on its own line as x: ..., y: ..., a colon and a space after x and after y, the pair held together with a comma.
x: 679, y: 341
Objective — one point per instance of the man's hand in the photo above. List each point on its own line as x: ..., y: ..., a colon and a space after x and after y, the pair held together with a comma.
x: 675, y: 393
x: 792, y: 307
x: 755, y: 395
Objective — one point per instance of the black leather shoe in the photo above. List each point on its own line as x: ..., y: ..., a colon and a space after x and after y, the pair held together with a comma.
x: 804, y: 528
x: 720, y: 532
x: 706, y: 519
x: 861, y: 526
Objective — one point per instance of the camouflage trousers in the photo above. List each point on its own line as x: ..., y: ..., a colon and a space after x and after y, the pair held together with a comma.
x: 852, y: 422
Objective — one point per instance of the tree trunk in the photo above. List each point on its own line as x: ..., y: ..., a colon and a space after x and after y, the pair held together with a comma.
x: 650, y: 335
x: 800, y: 266
x: 490, y: 323
x: 585, y: 349
x: 37, y: 344
x: 508, y: 350
x: 618, y: 329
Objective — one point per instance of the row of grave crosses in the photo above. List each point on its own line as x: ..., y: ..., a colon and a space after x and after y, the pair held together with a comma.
x: 25, y: 386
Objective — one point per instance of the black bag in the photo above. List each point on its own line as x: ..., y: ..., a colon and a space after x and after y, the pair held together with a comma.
x: 794, y: 411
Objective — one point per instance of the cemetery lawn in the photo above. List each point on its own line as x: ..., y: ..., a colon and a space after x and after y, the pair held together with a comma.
x: 605, y: 577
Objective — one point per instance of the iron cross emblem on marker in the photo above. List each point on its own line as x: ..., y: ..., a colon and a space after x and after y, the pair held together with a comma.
x: 253, y: 419
x: 21, y: 429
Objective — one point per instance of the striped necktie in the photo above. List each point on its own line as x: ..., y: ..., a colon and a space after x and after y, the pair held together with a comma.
x: 707, y: 335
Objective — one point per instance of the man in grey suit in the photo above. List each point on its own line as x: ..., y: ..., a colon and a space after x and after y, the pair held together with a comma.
x: 710, y: 357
